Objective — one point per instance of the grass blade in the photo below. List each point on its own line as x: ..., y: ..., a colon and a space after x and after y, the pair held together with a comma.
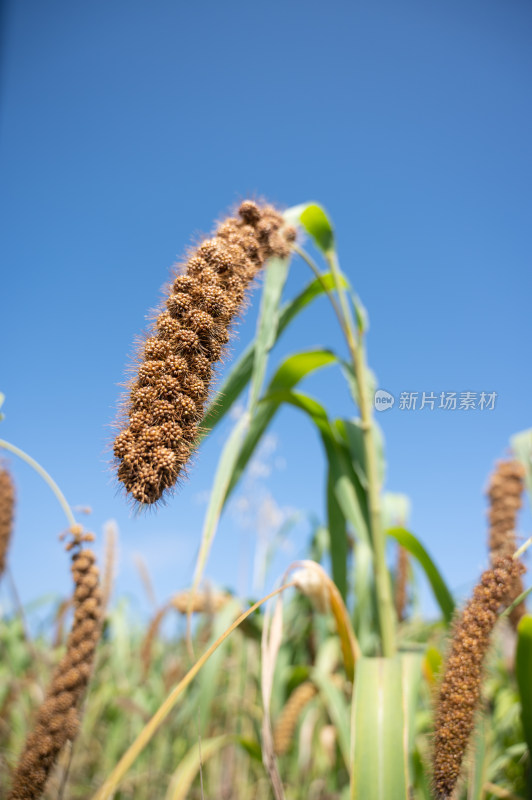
x: 183, y: 777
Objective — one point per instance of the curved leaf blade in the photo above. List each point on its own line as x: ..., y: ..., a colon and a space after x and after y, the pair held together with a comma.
x: 184, y: 776
x: 290, y: 373
x: 239, y: 376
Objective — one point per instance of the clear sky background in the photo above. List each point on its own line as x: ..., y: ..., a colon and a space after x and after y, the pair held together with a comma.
x: 128, y: 127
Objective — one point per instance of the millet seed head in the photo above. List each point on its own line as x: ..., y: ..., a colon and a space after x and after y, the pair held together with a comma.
x: 505, y: 497
x: 7, y: 511
x: 58, y: 718
x: 166, y: 399
x: 460, y: 688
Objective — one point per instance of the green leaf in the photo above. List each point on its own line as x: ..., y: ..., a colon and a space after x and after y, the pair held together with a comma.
x: 523, y: 673
x: 371, y: 382
x: 252, y: 748
x: 351, y: 432
x: 361, y: 314
x: 296, y: 367
x: 276, y: 272
x: 348, y: 490
x: 338, y: 544
x: 364, y: 617
x: 239, y: 376
x: 349, y: 493
x: 379, y: 734
x: 291, y: 371
x: 442, y: 594
x: 316, y: 223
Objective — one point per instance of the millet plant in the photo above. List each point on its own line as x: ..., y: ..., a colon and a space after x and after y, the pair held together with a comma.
x: 355, y: 696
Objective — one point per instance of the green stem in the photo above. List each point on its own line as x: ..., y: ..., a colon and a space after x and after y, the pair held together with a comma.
x: 382, y: 577
x: 319, y: 276
x: 49, y: 480
x: 342, y: 309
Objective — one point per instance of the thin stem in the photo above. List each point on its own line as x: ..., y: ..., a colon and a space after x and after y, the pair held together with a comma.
x: 319, y: 276
x: 522, y: 549
x: 385, y: 604
x: 45, y: 476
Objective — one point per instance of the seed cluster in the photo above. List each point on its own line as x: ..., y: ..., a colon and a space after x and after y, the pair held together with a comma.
x: 505, y: 495
x: 461, y: 684
x: 287, y: 722
x: 200, y: 602
x: 166, y: 400
x: 7, y: 507
x: 58, y: 718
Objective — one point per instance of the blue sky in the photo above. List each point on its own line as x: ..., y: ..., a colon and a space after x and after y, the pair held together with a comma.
x: 128, y: 127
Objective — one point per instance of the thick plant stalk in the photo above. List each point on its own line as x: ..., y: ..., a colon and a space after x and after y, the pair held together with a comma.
x: 7, y: 508
x: 462, y: 678
x: 505, y: 495
x: 166, y: 399
x: 58, y: 718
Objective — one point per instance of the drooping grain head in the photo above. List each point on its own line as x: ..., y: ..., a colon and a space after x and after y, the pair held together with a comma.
x: 166, y: 399
x: 460, y: 687
x: 58, y: 718
x: 505, y: 496
x: 285, y: 727
x: 7, y: 510
x: 206, y: 602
